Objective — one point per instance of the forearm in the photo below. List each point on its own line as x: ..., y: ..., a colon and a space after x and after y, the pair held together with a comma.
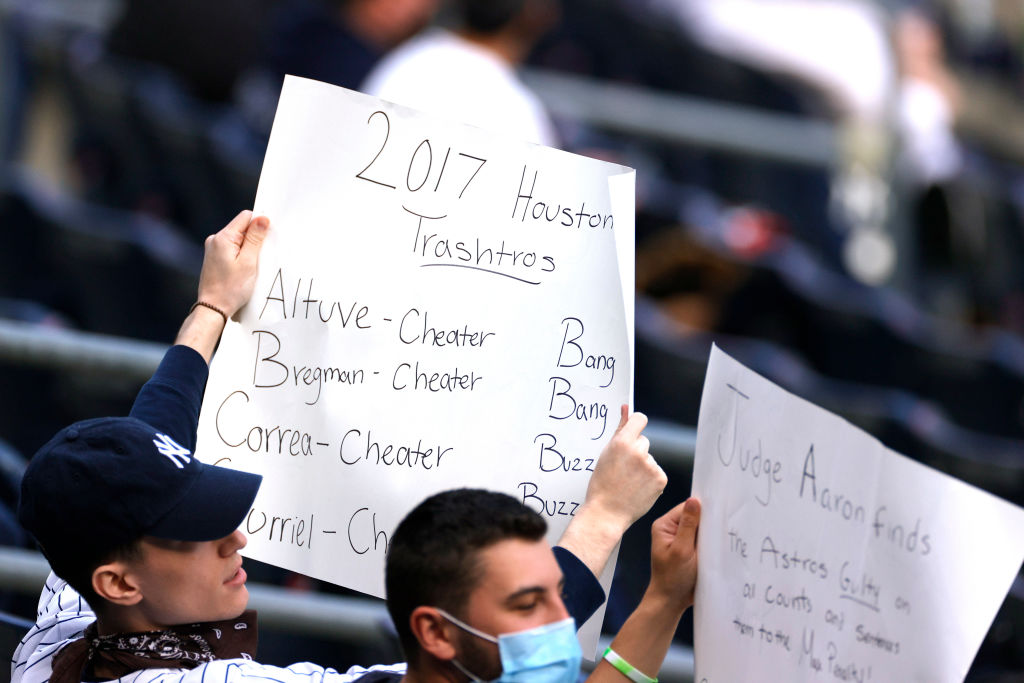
x: 645, y: 637
x: 643, y: 640
x: 201, y: 331
x: 592, y: 535
x: 170, y: 400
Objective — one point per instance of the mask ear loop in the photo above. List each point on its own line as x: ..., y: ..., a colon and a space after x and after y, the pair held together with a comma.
x: 466, y: 627
x: 473, y: 677
x: 469, y: 629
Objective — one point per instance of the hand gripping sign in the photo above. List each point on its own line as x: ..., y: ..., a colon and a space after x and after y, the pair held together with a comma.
x: 826, y: 556
x: 437, y: 306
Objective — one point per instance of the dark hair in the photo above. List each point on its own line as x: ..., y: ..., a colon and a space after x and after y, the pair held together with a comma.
x: 433, y: 554
x: 77, y: 567
x: 487, y: 16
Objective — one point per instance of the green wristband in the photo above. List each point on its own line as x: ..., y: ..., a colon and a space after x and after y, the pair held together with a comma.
x: 627, y: 669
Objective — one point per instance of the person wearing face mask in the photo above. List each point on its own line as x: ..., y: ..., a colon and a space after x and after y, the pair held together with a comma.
x: 475, y: 594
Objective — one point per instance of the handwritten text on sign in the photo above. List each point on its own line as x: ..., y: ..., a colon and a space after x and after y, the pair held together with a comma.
x: 437, y: 306
x: 825, y: 556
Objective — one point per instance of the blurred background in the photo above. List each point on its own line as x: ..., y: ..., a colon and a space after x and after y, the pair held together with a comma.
x: 831, y: 190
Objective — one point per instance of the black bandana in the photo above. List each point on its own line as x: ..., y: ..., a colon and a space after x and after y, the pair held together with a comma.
x: 180, y: 647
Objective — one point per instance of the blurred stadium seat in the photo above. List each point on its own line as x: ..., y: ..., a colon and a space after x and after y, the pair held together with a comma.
x: 105, y: 269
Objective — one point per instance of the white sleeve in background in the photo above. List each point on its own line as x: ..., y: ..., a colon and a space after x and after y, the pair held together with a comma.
x: 442, y: 74
x: 838, y: 46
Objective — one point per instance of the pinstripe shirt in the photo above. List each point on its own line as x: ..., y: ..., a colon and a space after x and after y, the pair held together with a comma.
x: 62, y: 616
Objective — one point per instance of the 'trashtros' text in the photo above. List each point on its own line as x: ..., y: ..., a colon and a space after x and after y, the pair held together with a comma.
x: 498, y: 258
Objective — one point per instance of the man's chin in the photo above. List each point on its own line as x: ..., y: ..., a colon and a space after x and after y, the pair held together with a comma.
x: 243, y: 599
x: 239, y: 605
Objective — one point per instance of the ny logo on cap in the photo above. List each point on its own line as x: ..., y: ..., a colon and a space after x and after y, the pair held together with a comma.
x: 174, y: 452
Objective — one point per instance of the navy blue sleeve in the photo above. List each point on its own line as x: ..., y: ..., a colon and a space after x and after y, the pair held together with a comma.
x: 582, y: 592
x: 170, y: 400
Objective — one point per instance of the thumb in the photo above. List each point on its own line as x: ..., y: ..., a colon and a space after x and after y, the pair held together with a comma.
x: 255, y: 234
x: 623, y: 417
x: 686, y: 532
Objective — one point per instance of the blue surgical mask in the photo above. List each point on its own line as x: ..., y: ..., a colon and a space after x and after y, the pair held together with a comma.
x: 546, y: 654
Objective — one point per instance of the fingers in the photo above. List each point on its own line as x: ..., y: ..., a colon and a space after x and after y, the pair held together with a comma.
x: 623, y: 416
x: 230, y: 262
x: 669, y: 522
x: 234, y: 231
x: 245, y: 233
x: 239, y: 223
x: 660, y: 478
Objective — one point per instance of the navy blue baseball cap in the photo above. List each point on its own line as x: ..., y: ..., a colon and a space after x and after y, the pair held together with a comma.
x: 102, y: 483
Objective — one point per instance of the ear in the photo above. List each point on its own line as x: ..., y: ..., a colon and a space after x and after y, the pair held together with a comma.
x: 113, y: 582
x: 434, y: 633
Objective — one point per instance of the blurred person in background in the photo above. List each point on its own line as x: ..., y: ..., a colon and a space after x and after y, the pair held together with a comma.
x: 210, y: 46
x: 334, y: 41
x: 886, y: 79
x: 339, y: 41
x: 468, y: 74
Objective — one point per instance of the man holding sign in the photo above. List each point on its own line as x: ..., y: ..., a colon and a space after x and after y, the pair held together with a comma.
x: 147, y: 533
x: 475, y: 593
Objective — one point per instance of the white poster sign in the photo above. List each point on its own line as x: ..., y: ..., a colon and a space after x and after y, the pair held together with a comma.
x: 826, y: 556
x: 437, y: 306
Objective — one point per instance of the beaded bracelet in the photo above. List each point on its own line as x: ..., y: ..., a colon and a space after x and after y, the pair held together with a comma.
x: 211, y: 307
x: 627, y: 669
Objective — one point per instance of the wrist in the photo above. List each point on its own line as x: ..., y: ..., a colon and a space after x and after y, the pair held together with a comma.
x: 625, y: 668
x: 207, y: 308
x: 605, y: 520
x: 664, y: 600
x: 201, y: 331
x: 591, y: 536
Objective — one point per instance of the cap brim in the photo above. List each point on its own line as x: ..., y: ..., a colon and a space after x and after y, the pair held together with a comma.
x: 214, y: 506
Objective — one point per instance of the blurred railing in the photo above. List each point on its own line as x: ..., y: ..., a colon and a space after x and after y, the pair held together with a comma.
x: 56, y: 348
x: 684, y: 120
